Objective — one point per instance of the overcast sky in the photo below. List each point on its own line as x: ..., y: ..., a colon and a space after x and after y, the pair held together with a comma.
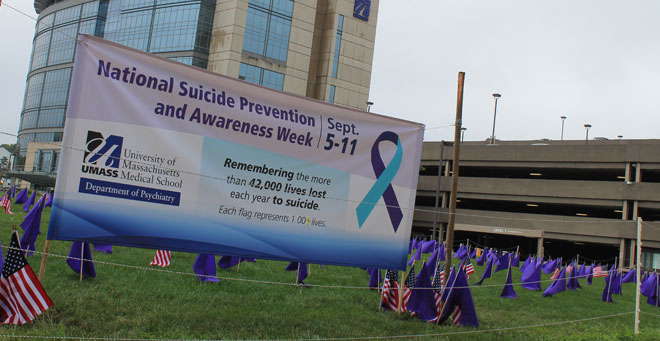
x: 594, y: 61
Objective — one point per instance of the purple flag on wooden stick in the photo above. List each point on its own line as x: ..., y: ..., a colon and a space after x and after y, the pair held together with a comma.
x: 503, y: 262
x: 487, y: 271
x: 292, y: 266
x: 13, y: 192
x: 531, y: 277
x: 49, y: 202
x: 228, y: 262
x: 375, y: 278
x: 421, y: 300
x: 26, y: 206
x: 30, y: 225
x: 415, y: 257
x: 74, y: 260
x: 482, y: 258
x: 302, y: 273
x: 459, y: 302
x: 22, y: 197
x: 204, y: 268
x: 526, y: 263
x: 630, y: 277
x: 573, y: 282
x: 507, y: 291
x: 550, y: 266
x: 557, y: 286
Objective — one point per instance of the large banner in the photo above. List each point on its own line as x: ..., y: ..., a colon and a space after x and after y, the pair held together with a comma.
x: 166, y: 156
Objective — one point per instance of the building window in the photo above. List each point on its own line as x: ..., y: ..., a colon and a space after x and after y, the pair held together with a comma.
x: 331, y: 97
x: 257, y: 75
x: 267, y: 28
x: 335, y: 58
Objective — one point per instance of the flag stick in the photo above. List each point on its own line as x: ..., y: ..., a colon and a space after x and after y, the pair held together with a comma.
x: 44, y: 259
x: 380, y: 292
x: 444, y: 303
x: 238, y: 268
x: 82, y: 250
x: 400, y: 294
x: 298, y: 273
x: 609, y: 283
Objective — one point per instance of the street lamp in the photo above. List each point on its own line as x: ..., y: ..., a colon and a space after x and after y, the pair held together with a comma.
x: 586, y: 139
x: 369, y: 104
x: 562, y: 127
x: 492, y: 137
x: 463, y: 129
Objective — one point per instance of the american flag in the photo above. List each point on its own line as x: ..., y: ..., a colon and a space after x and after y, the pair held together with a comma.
x: 22, y: 298
x: 555, y: 274
x: 162, y: 258
x: 569, y: 269
x: 599, y: 272
x: 390, y: 297
x: 456, y: 319
x: 6, y: 203
x: 410, y: 282
x: 438, y: 282
x: 468, y: 267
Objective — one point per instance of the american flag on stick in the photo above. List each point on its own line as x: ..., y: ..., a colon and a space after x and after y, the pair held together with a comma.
x: 411, y: 281
x: 390, y: 297
x: 22, y: 298
x: 468, y: 267
x: 555, y: 274
x: 456, y: 318
x: 162, y: 258
x: 6, y: 203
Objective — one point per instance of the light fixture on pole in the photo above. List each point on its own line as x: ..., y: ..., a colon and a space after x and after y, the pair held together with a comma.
x: 492, y: 137
x: 620, y: 136
x: 586, y: 138
x: 562, y: 127
x: 463, y: 129
x: 369, y: 104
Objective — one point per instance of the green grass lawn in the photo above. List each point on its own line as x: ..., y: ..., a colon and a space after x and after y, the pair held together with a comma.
x: 125, y: 302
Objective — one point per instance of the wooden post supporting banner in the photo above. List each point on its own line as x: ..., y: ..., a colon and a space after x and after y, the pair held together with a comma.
x: 454, y: 179
x: 44, y: 259
x: 82, y: 250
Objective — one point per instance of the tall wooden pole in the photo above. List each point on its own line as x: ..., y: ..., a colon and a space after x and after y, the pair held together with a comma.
x: 454, y: 178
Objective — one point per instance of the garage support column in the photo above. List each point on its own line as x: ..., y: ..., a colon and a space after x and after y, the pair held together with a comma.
x: 539, y: 247
x: 622, y: 249
x: 633, y: 251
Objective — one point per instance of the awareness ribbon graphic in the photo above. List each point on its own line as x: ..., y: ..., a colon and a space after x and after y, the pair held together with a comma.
x: 383, y: 185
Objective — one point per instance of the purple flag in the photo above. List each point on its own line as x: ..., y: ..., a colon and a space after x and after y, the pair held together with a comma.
x: 422, y: 301
x: 228, y: 262
x: 49, y: 203
x: 292, y: 266
x: 630, y: 277
x: 590, y: 273
x: 557, y: 286
x: 442, y: 253
x: 433, y: 260
x: 416, y: 256
x: 412, y: 245
x: 461, y: 252
x: 648, y: 285
x: 654, y: 292
x: 487, y: 271
x: 105, y: 248
x: 30, y: 225
x: 428, y: 246
x: 204, y: 268
x: 503, y: 262
x: 26, y: 206
x: 612, y: 286
x: 375, y: 278
x: 550, y: 266
x: 573, y: 282
x: 482, y: 258
x: 473, y: 253
x: 507, y: 291
x: 13, y: 192
x: 531, y: 277
x: 22, y: 197
x: 526, y: 263
x: 515, y: 262
x: 302, y: 273
x: 459, y: 301
x: 77, y: 250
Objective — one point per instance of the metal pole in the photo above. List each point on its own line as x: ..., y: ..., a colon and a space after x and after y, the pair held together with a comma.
x: 638, y: 274
x: 562, y: 127
x: 454, y: 179
x: 492, y: 137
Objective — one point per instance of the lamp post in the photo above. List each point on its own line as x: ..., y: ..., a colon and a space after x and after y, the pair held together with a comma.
x: 492, y: 137
x: 463, y: 129
x: 562, y: 127
x: 369, y: 104
x: 586, y: 138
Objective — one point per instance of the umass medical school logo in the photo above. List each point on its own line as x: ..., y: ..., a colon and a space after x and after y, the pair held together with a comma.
x: 361, y: 9
x: 108, y: 150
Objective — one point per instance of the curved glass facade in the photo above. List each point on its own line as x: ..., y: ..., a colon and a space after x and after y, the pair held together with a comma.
x: 180, y: 29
